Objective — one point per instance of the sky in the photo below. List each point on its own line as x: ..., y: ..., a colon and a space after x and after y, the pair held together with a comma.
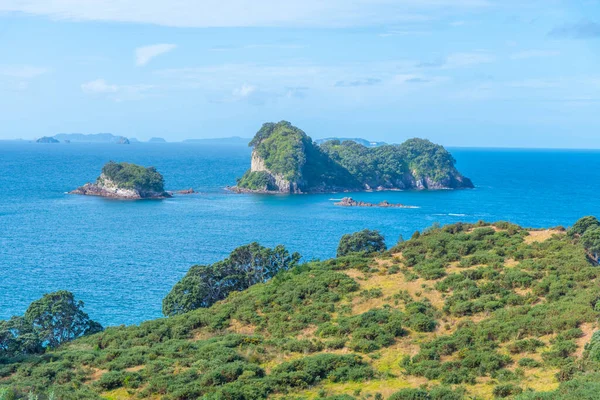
x: 476, y: 73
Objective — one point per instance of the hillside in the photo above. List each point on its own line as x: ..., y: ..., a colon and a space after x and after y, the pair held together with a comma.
x: 464, y: 311
x: 286, y: 160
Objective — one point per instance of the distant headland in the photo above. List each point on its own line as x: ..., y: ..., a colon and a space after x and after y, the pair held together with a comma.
x: 286, y: 160
x: 126, y: 181
x: 91, y: 138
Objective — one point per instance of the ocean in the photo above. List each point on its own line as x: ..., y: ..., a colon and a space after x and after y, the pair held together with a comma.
x: 122, y: 257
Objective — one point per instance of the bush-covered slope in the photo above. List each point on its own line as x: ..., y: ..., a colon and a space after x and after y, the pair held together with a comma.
x: 285, y: 159
x: 464, y: 311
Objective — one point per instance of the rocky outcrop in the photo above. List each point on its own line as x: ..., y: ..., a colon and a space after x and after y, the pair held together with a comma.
x: 104, y: 187
x: 350, y: 202
x: 184, y: 191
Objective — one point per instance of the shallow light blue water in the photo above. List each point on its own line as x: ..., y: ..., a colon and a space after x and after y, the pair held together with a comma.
x: 122, y: 257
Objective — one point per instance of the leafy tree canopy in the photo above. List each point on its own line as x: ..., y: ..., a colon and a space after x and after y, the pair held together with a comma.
x: 582, y: 225
x: 54, y: 319
x: 247, y: 265
x: 132, y: 176
x: 591, y: 241
x: 365, y: 241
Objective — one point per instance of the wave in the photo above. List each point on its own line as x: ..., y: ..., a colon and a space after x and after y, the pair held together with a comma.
x: 450, y: 215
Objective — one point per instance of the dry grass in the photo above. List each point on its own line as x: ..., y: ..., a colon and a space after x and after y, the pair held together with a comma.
x: 135, y: 369
x: 307, y: 333
x: 510, y: 263
x: 390, y: 285
x: 117, y: 394
x: 541, y: 236
x: 523, y: 291
x: 96, y: 374
x: 588, y: 331
x: 239, y: 327
x: 454, y: 267
x: 386, y: 387
x: 541, y: 379
x: 202, y: 334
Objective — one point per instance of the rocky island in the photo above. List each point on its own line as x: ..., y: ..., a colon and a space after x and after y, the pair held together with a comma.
x: 126, y: 181
x: 350, y: 202
x: 286, y: 160
x: 47, y: 139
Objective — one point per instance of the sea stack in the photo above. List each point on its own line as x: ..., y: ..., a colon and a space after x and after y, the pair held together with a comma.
x: 286, y: 160
x: 126, y: 181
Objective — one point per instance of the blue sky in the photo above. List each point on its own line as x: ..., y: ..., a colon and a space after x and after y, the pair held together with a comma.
x: 459, y: 72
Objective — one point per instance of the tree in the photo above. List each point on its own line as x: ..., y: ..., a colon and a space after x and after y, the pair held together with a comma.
x: 57, y: 318
x: 583, y: 225
x: 591, y: 241
x: 247, y: 265
x: 365, y: 241
x: 54, y: 319
x: 18, y: 337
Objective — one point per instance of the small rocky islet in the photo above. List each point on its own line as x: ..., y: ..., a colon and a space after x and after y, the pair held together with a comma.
x: 350, y: 202
x: 126, y: 181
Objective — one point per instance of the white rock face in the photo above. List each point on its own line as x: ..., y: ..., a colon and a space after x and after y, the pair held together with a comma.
x: 257, y: 164
x: 104, y: 187
x: 110, y: 187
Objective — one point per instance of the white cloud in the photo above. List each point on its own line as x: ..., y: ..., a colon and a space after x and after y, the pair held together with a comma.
x: 99, y: 86
x: 415, y: 79
x: 22, y: 71
x: 116, y: 92
x: 405, y: 32
x: 242, y: 13
x: 144, y: 54
x: 461, y: 60
x: 523, y: 55
x: 244, y: 91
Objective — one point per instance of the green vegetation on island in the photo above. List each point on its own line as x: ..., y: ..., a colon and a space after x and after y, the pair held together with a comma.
x: 285, y: 159
x: 132, y: 176
x: 464, y: 311
x: 126, y: 181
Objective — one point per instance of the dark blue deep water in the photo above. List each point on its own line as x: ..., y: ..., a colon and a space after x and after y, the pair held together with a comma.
x: 122, y: 257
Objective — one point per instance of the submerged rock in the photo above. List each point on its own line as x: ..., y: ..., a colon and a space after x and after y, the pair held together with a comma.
x: 184, y: 191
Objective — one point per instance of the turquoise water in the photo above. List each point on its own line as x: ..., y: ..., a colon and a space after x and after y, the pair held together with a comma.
x: 122, y: 257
